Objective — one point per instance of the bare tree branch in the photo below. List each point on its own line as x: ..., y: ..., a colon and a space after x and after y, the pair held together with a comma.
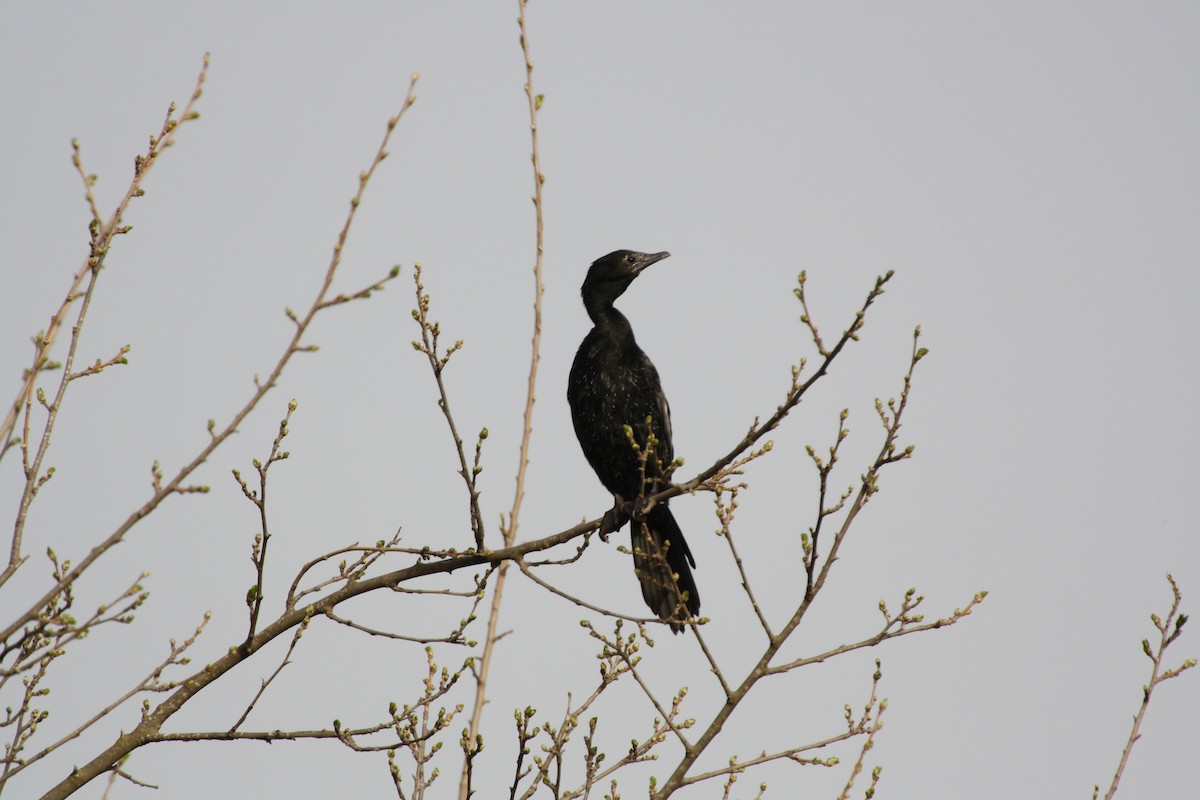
x: 151, y: 683
x: 509, y: 530
x: 261, y: 387
x: 438, y: 359
x: 868, y: 486
x: 258, y: 552
x: 102, y: 237
x: 287, y: 659
x: 1169, y: 629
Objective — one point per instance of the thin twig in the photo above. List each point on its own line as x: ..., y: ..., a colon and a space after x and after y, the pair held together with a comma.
x: 535, y: 104
x: 102, y: 239
x: 509, y: 531
x: 1169, y: 629
x: 902, y: 625
x: 453, y: 638
x: 287, y: 659
x: 528, y: 572
x: 150, y: 683
x: 347, y: 572
x: 824, y: 468
x: 725, y: 514
x: 261, y: 389
x: 149, y: 729
x: 258, y: 552
x: 712, y: 660
x: 60, y: 630
x: 887, y: 455
x: 711, y: 476
x: 438, y: 359
x: 877, y: 707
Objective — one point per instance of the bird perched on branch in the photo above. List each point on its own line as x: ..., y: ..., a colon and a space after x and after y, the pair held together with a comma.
x: 623, y: 424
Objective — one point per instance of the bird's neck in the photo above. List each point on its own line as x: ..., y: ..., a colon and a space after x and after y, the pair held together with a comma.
x: 609, y: 322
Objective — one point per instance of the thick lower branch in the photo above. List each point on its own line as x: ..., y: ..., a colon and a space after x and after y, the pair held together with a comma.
x: 148, y: 730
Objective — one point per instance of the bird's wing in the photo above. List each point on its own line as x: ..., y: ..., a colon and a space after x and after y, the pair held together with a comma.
x: 662, y: 422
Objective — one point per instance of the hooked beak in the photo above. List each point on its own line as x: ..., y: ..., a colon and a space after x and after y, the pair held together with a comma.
x: 651, y: 258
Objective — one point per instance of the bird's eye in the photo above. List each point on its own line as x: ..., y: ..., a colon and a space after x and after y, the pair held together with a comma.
x: 630, y: 258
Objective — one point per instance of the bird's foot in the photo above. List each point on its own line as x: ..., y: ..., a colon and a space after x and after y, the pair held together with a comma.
x: 616, y: 517
x: 607, y: 525
x: 638, y: 508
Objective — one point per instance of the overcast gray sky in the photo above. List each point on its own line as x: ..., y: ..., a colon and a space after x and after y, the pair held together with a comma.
x: 1029, y: 170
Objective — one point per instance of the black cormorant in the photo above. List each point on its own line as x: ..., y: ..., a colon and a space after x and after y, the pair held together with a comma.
x: 614, y: 392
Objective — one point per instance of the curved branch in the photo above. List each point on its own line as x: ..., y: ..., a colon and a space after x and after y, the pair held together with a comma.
x: 103, y: 235
x: 261, y: 388
x: 149, y: 728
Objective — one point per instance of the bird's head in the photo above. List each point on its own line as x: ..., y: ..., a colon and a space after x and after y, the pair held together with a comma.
x: 610, y: 275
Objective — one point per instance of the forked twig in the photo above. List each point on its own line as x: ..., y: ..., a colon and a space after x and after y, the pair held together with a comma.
x: 102, y: 236
x: 1169, y: 630
x: 261, y: 388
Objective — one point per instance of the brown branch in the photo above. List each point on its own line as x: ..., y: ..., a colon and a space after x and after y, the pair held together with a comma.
x: 60, y: 629
x: 712, y: 659
x: 558, y: 740
x: 725, y: 514
x: 894, y: 627
x: 102, y: 239
x: 579, y: 551
x: 287, y: 659
x: 149, y: 728
x: 880, y: 707
x: 868, y: 486
x: 791, y: 754
x: 625, y: 652
x: 369, y: 555
x: 794, y: 396
x: 617, y: 656
x: 639, y: 751
x: 120, y: 773
x: 509, y: 531
x: 258, y: 551
x: 810, y: 540
x: 414, y: 731
x: 261, y: 388
x: 148, y: 684
x: 455, y: 636
x: 33, y: 470
x: 99, y: 366
x: 528, y: 572
x: 853, y: 729
x: 535, y: 104
x: 1169, y: 630
x: 265, y: 736
x: 438, y: 359
x: 869, y: 723
x: 25, y: 719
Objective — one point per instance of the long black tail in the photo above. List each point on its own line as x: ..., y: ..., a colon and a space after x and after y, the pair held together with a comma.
x: 661, y: 559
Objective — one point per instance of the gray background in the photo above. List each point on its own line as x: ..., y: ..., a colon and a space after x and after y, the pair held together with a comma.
x: 1030, y: 171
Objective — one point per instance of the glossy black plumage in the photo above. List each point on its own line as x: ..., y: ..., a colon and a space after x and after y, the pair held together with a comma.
x: 614, y: 384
